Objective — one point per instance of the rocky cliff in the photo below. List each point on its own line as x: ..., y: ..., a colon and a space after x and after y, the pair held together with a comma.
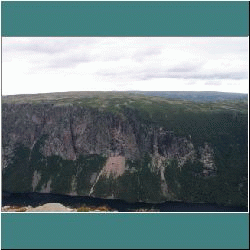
x: 98, y: 147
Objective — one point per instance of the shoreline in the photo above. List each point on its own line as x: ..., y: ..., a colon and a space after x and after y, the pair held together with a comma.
x: 87, y: 203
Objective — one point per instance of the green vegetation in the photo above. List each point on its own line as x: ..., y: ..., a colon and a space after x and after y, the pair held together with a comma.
x: 17, y: 177
x: 221, y: 189
x: 142, y: 185
x: 87, y: 166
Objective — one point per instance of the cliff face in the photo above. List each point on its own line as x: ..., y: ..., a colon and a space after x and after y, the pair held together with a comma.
x: 81, y: 150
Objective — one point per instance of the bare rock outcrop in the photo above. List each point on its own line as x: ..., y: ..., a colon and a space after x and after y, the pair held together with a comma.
x: 70, y: 132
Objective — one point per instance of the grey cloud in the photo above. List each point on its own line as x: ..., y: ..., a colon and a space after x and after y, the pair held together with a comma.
x: 67, y: 53
x: 143, y: 54
x: 191, y: 83
x: 185, y: 70
x: 154, y: 73
x: 138, y: 56
x: 48, y: 46
x: 231, y: 76
x: 75, y: 59
x: 36, y: 48
x: 185, y: 67
x: 107, y: 58
x: 112, y: 74
x: 213, y: 83
x: 68, y: 61
x: 191, y: 75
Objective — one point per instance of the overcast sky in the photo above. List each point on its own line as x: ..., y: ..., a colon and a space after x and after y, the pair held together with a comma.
x: 50, y: 64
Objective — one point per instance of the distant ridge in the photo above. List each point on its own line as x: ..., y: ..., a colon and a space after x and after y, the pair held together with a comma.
x: 197, y: 96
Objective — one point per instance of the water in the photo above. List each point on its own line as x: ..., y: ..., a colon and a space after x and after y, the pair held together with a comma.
x: 37, y: 199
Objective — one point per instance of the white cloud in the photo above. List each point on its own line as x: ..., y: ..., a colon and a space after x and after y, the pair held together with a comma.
x: 35, y: 65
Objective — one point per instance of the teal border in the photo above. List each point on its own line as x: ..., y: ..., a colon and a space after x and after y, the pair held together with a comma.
x: 125, y: 18
x: 158, y: 231
x: 127, y: 231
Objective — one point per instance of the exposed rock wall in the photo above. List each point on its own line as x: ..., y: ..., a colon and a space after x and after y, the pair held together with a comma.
x: 70, y: 132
